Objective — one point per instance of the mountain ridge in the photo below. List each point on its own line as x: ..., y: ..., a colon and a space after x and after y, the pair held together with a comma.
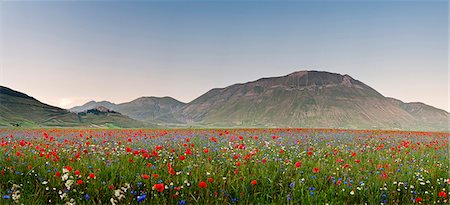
x: 20, y: 110
x: 316, y: 99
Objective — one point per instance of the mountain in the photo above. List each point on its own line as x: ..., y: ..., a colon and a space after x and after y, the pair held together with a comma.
x: 19, y: 109
x: 152, y: 109
x: 148, y: 109
x: 313, y: 99
x: 93, y: 104
x: 309, y: 99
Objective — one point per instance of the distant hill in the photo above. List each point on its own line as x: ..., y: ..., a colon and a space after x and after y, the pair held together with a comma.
x: 21, y: 110
x: 93, y: 104
x: 148, y: 109
x: 301, y: 99
x: 309, y: 99
x: 152, y: 109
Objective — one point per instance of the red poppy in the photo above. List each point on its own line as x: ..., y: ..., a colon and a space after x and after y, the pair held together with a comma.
x: 171, y: 171
x: 443, y: 194
x: 57, y: 174
x: 68, y: 168
x: 298, y: 164
x: 211, y: 180
x: 159, y: 187
x: 205, y: 150
x: 254, y: 182
x: 92, y: 176
x: 188, y: 151
x: 145, y: 176
x: 315, y: 170
x: 419, y: 199
x: 155, y: 175
x: 202, y: 184
x: 77, y: 172
x: 79, y: 182
x: 182, y: 157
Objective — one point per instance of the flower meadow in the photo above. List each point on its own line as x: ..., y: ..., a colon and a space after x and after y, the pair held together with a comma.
x: 223, y: 166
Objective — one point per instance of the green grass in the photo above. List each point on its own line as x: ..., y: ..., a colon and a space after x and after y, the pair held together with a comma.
x: 404, y: 157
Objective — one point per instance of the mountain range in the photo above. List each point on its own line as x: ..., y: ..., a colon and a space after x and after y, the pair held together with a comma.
x: 20, y: 110
x: 301, y: 99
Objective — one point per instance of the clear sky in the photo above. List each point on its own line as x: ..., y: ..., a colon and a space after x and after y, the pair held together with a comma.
x: 67, y: 53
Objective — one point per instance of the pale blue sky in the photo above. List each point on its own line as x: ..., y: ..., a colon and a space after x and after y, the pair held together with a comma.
x: 67, y: 53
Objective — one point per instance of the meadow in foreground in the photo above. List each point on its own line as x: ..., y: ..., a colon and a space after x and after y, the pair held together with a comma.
x: 243, y: 166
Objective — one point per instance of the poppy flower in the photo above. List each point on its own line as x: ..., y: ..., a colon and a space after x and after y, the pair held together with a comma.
x: 419, y: 199
x: 69, y: 168
x: 159, y: 187
x: 315, y: 170
x: 443, y: 194
x: 202, y: 184
x: 254, y: 182
x: 188, y: 151
x: 298, y: 164
x: 145, y: 176
x: 171, y: 171
x: 211, y: 180
x: 92, y: 176
x: 77, y: 172
x: 182, y: 157
x: 79, y: 182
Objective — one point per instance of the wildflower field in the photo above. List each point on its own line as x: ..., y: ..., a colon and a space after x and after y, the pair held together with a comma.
x: 234, y: 166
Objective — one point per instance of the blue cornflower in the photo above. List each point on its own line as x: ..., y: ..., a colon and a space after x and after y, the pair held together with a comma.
x: 182, y: 202
x: 6, y: 197
x: 141, y: 197
x: 311, y: 193
x: 87, y: 197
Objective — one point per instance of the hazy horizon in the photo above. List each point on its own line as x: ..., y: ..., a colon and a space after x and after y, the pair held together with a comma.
x: 68, y: 53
